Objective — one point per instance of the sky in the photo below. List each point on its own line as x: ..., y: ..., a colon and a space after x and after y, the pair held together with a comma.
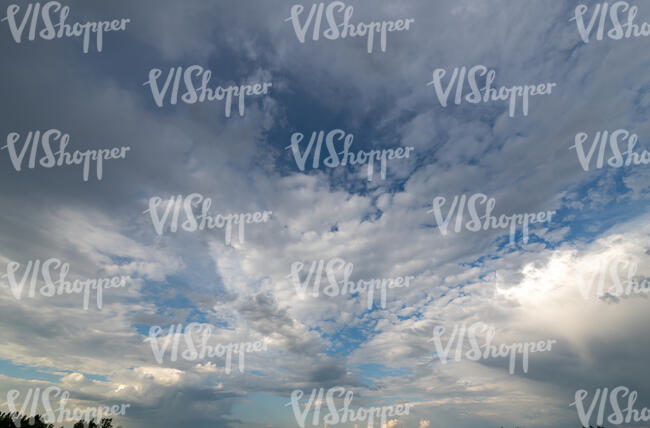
x: 384, y: 228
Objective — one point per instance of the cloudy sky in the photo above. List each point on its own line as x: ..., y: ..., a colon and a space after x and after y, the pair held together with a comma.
x: 384, y: 228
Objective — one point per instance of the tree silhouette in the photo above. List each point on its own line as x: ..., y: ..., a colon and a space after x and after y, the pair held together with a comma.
x: 7, y: 421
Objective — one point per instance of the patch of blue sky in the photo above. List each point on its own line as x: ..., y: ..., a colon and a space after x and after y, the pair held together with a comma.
x: 264, y: 409
x: 347, y: 339
x: 20, y: 371
x: 42, y: 373
x: 372, y: 372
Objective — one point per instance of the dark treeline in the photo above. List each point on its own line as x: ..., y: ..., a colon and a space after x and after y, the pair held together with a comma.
x: 22, y: 421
